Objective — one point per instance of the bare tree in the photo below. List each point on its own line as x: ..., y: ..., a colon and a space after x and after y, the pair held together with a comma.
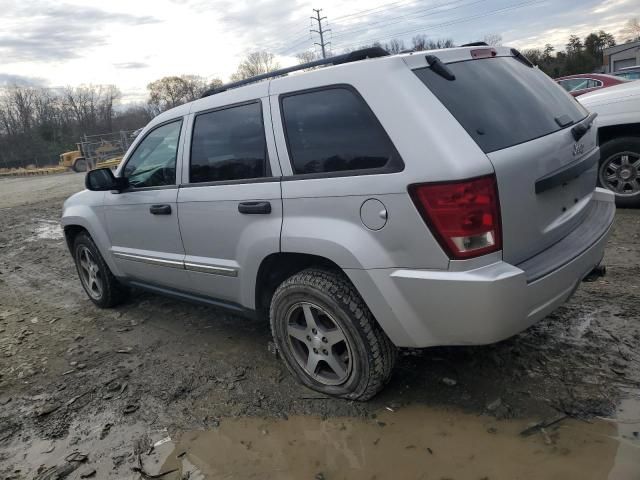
x: 256, y: 63
x: 169, y: 92
x: 631, y: 30
x: 535, y: 55
x: 422, y: 42
x: 394, y: 46
x: 306, y: 57
x: 493, y: 39
x: 419, y: 42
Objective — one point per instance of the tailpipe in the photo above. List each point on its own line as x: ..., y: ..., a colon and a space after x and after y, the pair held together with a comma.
x: 598, y: 271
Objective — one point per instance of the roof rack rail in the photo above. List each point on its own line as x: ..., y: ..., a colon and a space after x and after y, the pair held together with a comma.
x: 475, y: 44
x: 372, y: 52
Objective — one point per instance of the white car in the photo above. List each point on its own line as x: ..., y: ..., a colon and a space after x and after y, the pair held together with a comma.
x: 618, y: 110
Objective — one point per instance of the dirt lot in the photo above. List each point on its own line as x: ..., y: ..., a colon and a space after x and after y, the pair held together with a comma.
x: 109, y: 384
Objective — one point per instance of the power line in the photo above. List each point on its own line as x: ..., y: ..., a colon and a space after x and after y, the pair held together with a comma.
x: 398, y: 19
x: 320, y: 31
x: 444, y: 24
x: 382, y: 8
x: 298, y: 40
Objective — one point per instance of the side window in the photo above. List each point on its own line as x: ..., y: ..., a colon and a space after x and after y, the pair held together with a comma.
x: 333, y: 130
x: 153, y: 163
x: 229, y: 144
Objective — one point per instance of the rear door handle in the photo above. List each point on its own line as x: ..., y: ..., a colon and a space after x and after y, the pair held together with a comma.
x: 160, y: 209
x: 253, y: 208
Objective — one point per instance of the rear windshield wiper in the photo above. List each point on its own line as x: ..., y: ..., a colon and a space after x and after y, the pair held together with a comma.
x: 440, y: 68
x: 583, y: 127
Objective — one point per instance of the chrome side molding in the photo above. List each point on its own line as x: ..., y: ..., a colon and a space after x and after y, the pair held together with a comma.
x: 199, y: 267
x: 191, y: 266
x: 150, y: 260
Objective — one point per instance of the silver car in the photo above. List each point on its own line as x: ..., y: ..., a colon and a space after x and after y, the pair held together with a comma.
x: 436, y: 198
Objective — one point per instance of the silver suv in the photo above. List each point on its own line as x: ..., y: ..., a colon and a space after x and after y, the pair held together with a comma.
x: 433, y: 198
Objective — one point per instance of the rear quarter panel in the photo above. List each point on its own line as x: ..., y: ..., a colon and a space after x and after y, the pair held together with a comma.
x: 322, y: 216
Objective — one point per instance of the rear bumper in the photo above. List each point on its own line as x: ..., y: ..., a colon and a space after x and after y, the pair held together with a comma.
x: 421, y: 308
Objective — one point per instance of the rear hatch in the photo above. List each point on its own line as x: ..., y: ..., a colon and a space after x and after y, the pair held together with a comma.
x: 522, y: 121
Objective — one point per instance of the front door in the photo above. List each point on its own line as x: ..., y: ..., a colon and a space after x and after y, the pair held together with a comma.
x: 230, y: 204
x: 142, y: 221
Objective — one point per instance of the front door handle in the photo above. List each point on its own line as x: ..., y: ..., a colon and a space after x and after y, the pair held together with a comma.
x: 253, y: 208
x: 160, y: 209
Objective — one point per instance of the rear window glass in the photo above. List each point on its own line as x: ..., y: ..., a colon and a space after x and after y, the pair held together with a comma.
x: 333, y: 130
x: 229, y: 144
x: 501, y: 102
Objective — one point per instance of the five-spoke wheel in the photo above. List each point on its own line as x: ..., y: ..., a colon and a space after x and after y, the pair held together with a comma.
x: 318, y: 343
x: 102, y: 287
x: 89, y: 270
x: 327, y: 336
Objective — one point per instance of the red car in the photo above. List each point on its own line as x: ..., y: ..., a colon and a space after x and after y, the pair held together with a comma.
x: 576, y: 85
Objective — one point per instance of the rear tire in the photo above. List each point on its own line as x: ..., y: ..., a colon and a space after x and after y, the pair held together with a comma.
x: 80, y: 165
x: 327, y: 336
x: 619, y: 170
x: 100, y: 285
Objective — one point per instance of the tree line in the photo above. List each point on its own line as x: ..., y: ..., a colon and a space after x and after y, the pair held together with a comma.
x: 38, y: 124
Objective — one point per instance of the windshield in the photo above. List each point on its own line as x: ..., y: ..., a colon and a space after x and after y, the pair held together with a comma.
x: 502, y: 102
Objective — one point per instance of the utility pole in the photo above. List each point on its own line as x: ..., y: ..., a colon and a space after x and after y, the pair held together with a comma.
x: 320, y: 32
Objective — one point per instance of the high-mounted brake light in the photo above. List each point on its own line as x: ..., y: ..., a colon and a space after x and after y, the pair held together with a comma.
x: 464, y: 216
x: 483, y: 53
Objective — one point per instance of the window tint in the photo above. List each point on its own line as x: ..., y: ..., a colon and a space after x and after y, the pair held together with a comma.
x: 575, y: 84
x: 153, y: 163
x: 333, y: 130
x: 629, y: 75
x: 502, y: 102
x: 229, y: 144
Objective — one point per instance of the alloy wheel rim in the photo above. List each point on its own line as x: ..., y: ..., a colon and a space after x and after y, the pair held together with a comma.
x: 620, y: 173
x: 90, y: 273
x: 319, y: 345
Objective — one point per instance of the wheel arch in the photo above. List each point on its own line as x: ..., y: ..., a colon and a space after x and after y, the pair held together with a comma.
x: 70, y: 234
x: 611, y: 132
x: 277, y: 267
x: 74, y: 223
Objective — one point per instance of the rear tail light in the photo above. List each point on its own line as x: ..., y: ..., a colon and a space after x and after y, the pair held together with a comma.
x: 464, y: 216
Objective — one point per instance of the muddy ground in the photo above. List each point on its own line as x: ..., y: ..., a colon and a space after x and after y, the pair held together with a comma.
x: 106, y: 383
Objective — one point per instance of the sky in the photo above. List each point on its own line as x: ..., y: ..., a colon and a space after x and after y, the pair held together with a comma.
x: 130, y: 43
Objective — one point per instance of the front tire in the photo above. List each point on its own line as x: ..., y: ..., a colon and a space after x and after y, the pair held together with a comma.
x: 619, y: 170
x: 80, y: 165
x: 98, y: 282
x: 327, y: 336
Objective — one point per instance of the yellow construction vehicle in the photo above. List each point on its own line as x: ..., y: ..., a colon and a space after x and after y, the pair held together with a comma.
x: 103, y: 149
x: 74, y: 160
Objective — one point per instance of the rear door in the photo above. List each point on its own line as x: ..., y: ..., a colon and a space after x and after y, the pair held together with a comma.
x: 522, y: 120
x: 229, y: 203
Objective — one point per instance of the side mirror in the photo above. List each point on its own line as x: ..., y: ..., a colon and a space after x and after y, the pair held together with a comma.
x: 102, y: 179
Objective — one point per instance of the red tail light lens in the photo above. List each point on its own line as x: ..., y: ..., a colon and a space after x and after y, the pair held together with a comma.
x: 464, y: 216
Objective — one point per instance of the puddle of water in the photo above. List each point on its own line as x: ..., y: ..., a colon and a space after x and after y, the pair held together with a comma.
x: 47, y: 230
x: 627, y: 461
x: 415, y: 442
